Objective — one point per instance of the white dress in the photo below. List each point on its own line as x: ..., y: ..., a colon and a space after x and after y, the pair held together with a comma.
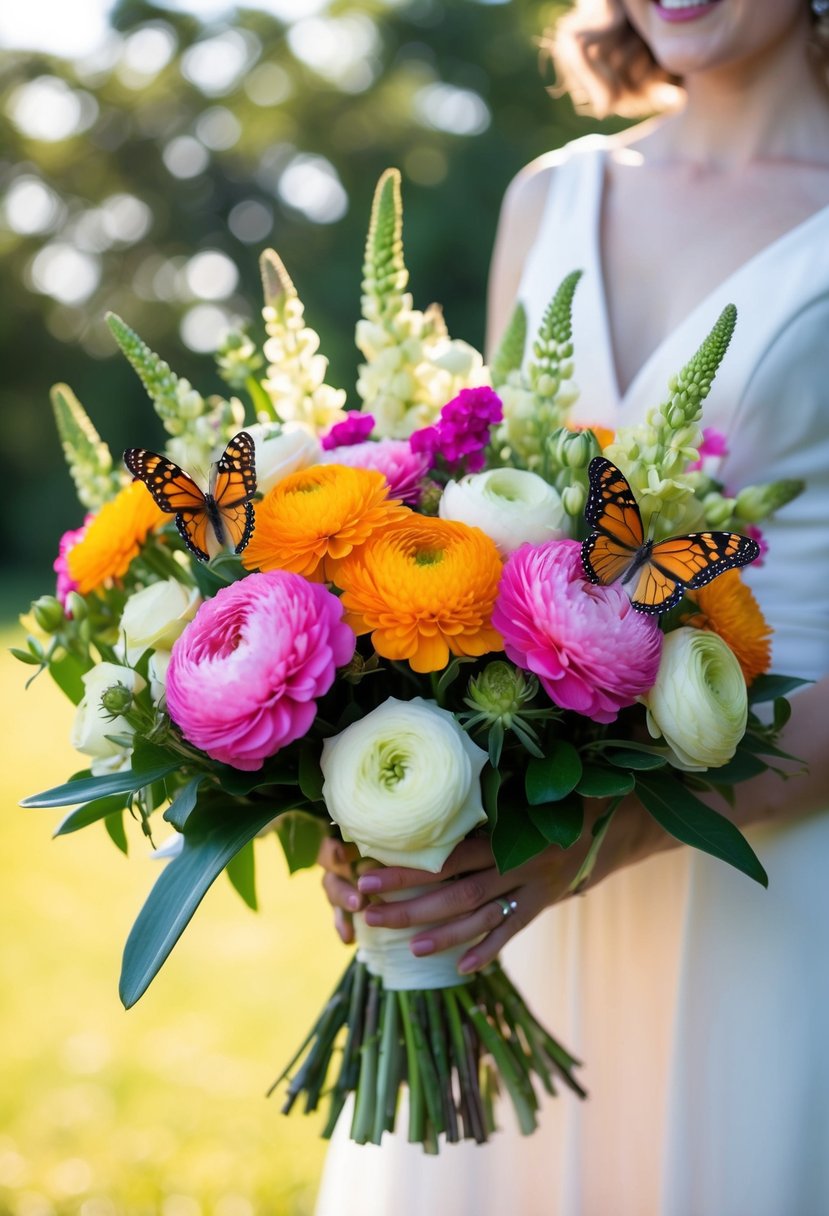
x: 698, y: 1001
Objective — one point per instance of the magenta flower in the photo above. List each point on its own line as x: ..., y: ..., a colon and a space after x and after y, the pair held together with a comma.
x: 245, y: 673
x: 402, y: 468
x: 588, y: 646
x: 461, y: 433
x: 714, y: 443
x: 354, y: 428
x: 65, y: 582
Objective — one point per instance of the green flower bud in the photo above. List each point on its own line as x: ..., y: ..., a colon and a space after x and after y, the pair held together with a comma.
x: 500, y: 692
x: 430, y: 497
x: 756, y: 503
x: 117, y: 700
x: 718, y: 510
x: 76, y: 606
x: 48, y: 613
x: 573, y: 449
x: 573, y: 499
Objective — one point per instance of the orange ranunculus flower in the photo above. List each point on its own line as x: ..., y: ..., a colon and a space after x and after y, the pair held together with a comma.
x: 114, y: 538
x: 728, y: 607
x: 312, y: 519
x: 424, y: 588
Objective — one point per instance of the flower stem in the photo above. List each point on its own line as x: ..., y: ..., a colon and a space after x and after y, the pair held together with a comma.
x: 520, y: 1090
x: 416, y: 1098
x: 385, y: 1073
x: 363, y: 1120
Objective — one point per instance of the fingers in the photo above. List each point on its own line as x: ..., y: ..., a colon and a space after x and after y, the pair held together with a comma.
x: 335, y: 855
x: 531, y: 900
x: 344, y: 926
x: 454, y: 899
x: 472, y: 854
x: 456, y: 932
x: 341, y: 892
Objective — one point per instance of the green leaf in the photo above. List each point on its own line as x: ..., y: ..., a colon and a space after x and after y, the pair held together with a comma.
x: 114, y: 825
x: 239, y: 782
x: 686, y: 818
x: 598, y: 782
x: 641, y: 761
x: 147, y: 757
x: 73, y: 793
x: 490, y: 786
x: 91, y: 812
x: 559, y: 822
x: 555, y: 776
x: 310, y: 773
x: 769, y: 688
x: 67, y: 672
x: 515, y: 840
x: 224, y: 830
x: 782, y: 713
x: 25, y: 656
x: 300, y: 835
x: 179, y: 810
x: 741, y: 767
x: 241, y: 870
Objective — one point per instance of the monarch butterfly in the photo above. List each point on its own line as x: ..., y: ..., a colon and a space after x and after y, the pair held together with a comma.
x: 225, y: 509
x: 660, y: 571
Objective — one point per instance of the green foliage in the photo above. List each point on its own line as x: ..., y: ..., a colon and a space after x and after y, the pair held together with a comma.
x: 509, y: 353
x: 384, y: 271
x: 88, y: 457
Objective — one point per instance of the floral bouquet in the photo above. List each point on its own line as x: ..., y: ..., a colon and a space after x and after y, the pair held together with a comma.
x: 447, y: 611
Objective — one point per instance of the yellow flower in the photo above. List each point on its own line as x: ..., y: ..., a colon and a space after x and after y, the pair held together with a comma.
x: 114, y: 538
x: 424, y: 588
x: 312, y: 519
x: 728, y: 607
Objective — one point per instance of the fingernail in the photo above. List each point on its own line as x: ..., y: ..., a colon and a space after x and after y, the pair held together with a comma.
x: 423, y: 945
x: 468, y: 963
x: 369, y: 885
x: 354, y: 902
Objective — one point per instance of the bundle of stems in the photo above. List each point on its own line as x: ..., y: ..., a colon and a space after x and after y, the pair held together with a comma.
x: 454, y: 1048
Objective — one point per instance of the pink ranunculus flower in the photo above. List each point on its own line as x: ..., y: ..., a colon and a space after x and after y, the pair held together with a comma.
x: 65, y: 582
x: 402, y: 468
x: 245, y: 674
x: 586, y: 643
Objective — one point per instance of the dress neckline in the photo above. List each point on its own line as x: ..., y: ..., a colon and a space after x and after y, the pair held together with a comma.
x: 699, y: 319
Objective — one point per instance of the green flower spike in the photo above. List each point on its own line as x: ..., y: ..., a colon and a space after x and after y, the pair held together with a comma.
x: 88, y: 457
x: 538, y: 400
x: 510, y: 353
x: 654, y: 456
x: 176, y: 402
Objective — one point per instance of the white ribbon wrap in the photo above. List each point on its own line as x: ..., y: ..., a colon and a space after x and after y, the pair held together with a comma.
x: 386, y: 953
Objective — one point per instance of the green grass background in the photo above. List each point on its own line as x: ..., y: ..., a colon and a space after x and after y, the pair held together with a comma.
x: 160, y: 1109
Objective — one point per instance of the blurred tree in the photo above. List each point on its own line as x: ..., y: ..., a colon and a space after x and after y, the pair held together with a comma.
x: 147, y: 177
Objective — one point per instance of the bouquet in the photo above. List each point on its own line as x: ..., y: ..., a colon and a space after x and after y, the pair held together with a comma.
x: 446, y: 611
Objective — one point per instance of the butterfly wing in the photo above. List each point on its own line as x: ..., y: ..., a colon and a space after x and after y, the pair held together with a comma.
x: 194, y: 528
x: 234, y: 479
x: 172, y: 489
x: 700, y: 557
x: 234, y: 484
x: 611, y: 511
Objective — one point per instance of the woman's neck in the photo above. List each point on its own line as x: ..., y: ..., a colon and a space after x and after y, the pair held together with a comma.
x: 771, y: 107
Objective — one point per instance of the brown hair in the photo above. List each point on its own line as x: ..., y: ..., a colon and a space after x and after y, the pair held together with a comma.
x: 607, y: 68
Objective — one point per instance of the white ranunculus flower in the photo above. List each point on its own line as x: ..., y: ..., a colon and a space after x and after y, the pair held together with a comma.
x: 92, y: 723
x: 403, y: 783
x: 155, y: 616
x: 510, y: 505
x: 282, y: 450
x: 699, y: 702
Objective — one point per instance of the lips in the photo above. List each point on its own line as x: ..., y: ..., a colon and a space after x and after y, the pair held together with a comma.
x: 684, y: 10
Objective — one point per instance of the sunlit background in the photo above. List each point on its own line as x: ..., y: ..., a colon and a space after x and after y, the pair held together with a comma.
x: 148, y: 152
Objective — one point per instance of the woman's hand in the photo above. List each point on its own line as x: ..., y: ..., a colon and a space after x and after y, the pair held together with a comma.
x: 474, y: 904
x: 337, y: 859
